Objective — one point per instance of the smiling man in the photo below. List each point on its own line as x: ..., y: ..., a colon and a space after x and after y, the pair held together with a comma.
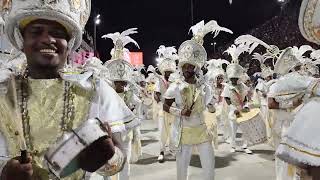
x: 54, y: 98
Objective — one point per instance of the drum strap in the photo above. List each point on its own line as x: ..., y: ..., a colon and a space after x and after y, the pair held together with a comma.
x: 239, y: 98
x: 166, y: 84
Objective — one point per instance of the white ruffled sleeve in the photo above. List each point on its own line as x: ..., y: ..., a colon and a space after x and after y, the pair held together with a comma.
x: 172, y: 91
x: 109, y: 107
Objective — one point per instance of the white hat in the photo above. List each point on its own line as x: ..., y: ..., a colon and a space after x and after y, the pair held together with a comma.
x: 309, y: 20
x: 235, y: 71
x: 192, y: 51
x: 167, y: 56
x: 266, y: 71
x: 215, y: 68
x: 72, y: 14
x: 286, y: 62
x: 138, y: 77
x: 118, y: 68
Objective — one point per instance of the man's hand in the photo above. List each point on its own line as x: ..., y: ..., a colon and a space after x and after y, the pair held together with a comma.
x: 314, y: 172
x: 237, y: 113
x: 186, y: 112
x: 273, y: 104
x: 14, y: 170
x: 245, y: 109
x: 297, y: 102
x: 98, y: 153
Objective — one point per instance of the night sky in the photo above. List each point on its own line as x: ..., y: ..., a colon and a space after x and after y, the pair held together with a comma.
x: 167, y: 21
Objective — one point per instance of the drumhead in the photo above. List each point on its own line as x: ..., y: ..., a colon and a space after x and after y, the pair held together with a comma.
x: 245, y: 116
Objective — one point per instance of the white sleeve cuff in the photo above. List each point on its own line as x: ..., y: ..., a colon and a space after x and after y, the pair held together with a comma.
x: 285, y: 104
x: 114, y: 165
x: 175, y: 111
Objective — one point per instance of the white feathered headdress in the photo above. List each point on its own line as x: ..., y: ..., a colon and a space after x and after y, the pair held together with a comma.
x: 192, y: 51
x: 235, y: 51
x: 265, y: 71
x: 235, y: 70
x: 215, y: 69
x: 201, y: 29
x: 252, y: 43
x: 120, y: 40
x: 167, y: 56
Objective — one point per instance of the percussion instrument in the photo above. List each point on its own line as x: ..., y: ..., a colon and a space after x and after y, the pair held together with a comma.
x: 253, y: 127
x: 62, y: 158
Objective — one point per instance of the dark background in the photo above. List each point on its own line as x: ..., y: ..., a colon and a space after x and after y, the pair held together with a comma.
x: 167, y: 22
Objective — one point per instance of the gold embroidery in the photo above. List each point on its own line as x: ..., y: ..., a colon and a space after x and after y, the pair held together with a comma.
x: 302, y: 151
x: 76, y: 4
x: 45, y: 105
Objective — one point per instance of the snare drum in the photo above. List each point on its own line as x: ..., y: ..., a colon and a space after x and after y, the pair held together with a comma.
x: 62, y: 158
x: 253, y: 127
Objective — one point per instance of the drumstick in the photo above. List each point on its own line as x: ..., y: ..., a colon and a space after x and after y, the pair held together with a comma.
x: 18, y: 122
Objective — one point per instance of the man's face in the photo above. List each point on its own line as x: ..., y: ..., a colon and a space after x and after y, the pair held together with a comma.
x: 188, y: 71
x: 269, y: 78
x: 167, y: 75
x: 119, y: 86
x: 219, y: 79
x: 45, y: 44
x: 234, y: 81
x: 142, y: 84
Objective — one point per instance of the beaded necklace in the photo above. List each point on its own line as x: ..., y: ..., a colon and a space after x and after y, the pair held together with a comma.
x: 68, y: 111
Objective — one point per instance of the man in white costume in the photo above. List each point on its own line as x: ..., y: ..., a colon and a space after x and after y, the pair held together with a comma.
x: 55, y: 99
x: 284, y: 97
x: 120, y: 73
x: 235, y: 94
x: 191, y: 96
x: 261, y: 91
x: 300, y: 144
x: 216, y: 78
x: 167, y: 66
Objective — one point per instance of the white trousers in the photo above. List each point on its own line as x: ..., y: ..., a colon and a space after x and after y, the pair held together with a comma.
x: 126, y: 146
x: 233, y: 132
x: 164, y: 129
x: 206, y: 157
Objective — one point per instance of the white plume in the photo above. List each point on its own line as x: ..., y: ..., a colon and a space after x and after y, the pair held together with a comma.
x: 260, y: 57
x: 315, y: 54
x: 167, y: 52
x: 216, y: 63
x: 298, y: 52
x: 235, y: 51
x: 201, y: 29
x: 124, y: 37
x: 251, y: 42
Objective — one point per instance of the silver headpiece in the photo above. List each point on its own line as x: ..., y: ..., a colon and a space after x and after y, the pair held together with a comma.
x: 72, y: 14
x: 192, y: 51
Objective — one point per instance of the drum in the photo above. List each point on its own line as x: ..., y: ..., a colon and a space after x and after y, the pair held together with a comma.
x: 253, y: 127
x: 62, y: 158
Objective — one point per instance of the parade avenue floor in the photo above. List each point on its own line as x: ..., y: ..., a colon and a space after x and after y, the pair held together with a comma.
x: 237, y: 166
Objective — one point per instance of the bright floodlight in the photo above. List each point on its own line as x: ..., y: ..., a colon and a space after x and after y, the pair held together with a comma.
x: 98, y: 21
x: 98, y: 16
